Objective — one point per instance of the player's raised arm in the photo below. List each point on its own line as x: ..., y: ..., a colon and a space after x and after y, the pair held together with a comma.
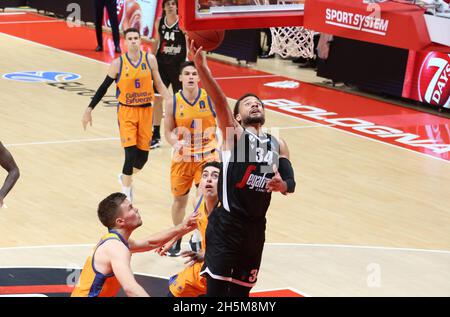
x: 158, y: 239
x: 225, y: 119
x: 114, y: 69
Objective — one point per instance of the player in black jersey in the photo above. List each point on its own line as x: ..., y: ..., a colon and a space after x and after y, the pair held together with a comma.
x: 255, y: 164
x: 171, y: 53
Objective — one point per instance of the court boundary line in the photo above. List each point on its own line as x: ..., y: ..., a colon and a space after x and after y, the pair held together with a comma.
x: 314, y: 245
x: 292, y: 117
x: 9, y: 145
x: 31, y: 22
x: 105, y: 63
x: 13, y: 13
x: 61, y: 142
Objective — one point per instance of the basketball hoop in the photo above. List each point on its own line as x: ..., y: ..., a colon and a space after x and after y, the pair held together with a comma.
x: 294, y: 41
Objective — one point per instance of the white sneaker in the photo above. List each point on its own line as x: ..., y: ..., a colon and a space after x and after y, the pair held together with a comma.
x: 126, y: 190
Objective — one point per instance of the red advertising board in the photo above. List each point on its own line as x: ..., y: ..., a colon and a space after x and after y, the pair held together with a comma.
x: 388, y: 23
x: 427, y: 78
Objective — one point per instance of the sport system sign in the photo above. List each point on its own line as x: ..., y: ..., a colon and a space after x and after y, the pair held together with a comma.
x: 388, y: 23
x: 365, y: 23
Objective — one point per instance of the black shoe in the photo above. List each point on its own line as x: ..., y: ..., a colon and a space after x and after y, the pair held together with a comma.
x: 195, y: 246
x: 309, y: 64
x: 118, y: 50
x: 175, y: 250
x: 264, y: 56
x: 155, y: 143
x: 99, y: 49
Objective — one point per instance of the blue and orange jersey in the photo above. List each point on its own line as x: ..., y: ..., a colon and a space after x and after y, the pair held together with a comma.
x: 93, y: 283
x: 202, y: 221
x: 135, y: 82
x: 199, y: 119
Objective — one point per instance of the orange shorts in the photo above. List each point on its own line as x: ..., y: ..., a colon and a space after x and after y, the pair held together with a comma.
x: 183, y: 174
x: 135, y: 126
x: 188, y: 283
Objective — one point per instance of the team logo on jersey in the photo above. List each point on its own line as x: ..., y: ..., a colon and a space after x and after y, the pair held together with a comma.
x: 202, y: 104
x: 144, y: 66
x: 42, y: 77
x: 253, y: 181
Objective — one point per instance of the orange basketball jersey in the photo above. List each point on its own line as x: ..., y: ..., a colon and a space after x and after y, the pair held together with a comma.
x: 93, y: 283
x: 135, y: 82
x: 199, y: 119
x: 202, y: 221
x: 189, y: 282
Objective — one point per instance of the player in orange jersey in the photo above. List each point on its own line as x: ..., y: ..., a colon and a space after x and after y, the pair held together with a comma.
x: 190, y: 127
x: 189, y: 283
x: 108, y: 268
x: 135, y: 73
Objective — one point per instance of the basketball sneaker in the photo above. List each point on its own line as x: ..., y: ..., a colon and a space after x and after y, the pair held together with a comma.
x: 126, y: 190
x: 195, y: 245
x: 176, y: 249
x: 155, y: 143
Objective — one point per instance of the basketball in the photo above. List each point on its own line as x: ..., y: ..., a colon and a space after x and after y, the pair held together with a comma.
x: 208, y: 39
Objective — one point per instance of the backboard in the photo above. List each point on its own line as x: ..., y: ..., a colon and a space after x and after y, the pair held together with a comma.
x: 198, y: 15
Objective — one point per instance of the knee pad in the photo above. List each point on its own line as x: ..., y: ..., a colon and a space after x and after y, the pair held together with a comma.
x: 130, y: 159
x: 141, y: 158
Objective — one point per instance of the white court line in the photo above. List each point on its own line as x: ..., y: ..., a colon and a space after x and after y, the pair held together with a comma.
x: 13, y: 13
x: 301, y: 127
x: 292, y: 117
x: 61, y: 142
x: 31, y: 22
x: 115, y: 138
x: 96, y: 60
x: 337, y: 246
x: 53, y: 48
x: 246, y: 77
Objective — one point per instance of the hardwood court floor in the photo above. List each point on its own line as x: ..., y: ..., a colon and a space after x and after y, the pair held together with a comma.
x: 368, y: 204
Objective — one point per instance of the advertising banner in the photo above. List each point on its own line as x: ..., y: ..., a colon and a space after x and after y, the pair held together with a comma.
x: 139, y: 14
x: 387, y: 22
x: 427, y: 78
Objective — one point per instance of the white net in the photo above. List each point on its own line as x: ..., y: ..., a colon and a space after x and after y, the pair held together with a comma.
x: 294, y: 41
